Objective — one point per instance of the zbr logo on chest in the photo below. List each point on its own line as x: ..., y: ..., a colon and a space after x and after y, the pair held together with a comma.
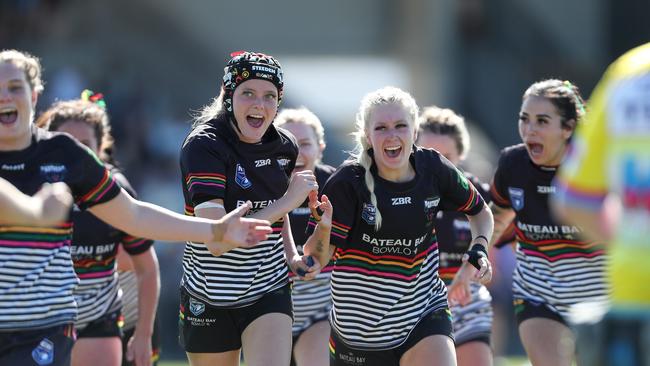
x: 262, y: 162
x: 240, y: 177
x: 516, y: 197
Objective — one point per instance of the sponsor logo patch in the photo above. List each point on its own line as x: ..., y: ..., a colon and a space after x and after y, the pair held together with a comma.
x: 516, y: 197
x: 368, y: 213
x: 43, y: 354
x: 197, y: 308
x: 53, y: 173
x: 240, y: 177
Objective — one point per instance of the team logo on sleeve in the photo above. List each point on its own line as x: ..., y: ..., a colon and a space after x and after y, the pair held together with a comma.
x: 53, y: 173
x: 197, y: 308
x: 283, y: 162
x: 43, y: 354
x: 516, y: 197
x: 240, y: 177
x: 368, y: 213
x: 430, y: 205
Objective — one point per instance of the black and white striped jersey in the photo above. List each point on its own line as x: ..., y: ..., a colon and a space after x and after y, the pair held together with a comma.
x: 311, y: 299
x: 37, y: 277
x: 94, y: 250
x: 385, y: 281
x: 555, y: 266
x: 215, y: 164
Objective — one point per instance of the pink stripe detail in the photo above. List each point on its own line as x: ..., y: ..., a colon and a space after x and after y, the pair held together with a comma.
x: 34, y: 244
x: 106, y: 190
x: 96, y: 274
x: 136, y: 244
x: 563, y: 256
x: 375, y: 273
x: 339, y: 235
x: 206, y: 184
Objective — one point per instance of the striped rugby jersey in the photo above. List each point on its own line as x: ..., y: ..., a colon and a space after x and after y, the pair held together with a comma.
x: 36, y: 273
x: 385, y: 281
x: 215, y: 164
x: 94, y: 248
x: 311, y: 299
x: 555, y: 266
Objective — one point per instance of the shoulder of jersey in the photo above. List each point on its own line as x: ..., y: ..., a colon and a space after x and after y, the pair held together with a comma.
x: 62, y: 139
x: 429, y: 154
x: 427, y: 158
x: 204, y: 132
x: 348, y: 172
x: 286, y: 136
x: 325, y: 169
x: 514, y: 152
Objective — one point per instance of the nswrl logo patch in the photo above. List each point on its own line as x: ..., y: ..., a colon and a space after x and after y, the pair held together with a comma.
x: 43, y: 354
x: 240, y: 177
x: 368, y: 213
x: 197, y: 308
x: 516, y: 197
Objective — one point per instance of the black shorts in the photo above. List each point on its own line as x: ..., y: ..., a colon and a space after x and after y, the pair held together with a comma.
x: 108, y: 325
x: 155, y: 344
x: 46, y: 347
x: 209, y: 329
x: 527, y: 309
x: 435, y: 323
x: 621, y: 338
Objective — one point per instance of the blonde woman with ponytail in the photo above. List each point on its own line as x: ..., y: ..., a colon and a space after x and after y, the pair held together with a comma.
x: 389, y: 304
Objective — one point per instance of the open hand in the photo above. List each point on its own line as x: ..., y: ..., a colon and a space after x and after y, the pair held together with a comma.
x: 236, y: 231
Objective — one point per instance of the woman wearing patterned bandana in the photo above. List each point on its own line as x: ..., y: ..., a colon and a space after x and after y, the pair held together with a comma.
x: 37, y: 306
x: 311, y: 299
x: 95, y: 245
x: 443, y: 130
x: 556, y: 268
x: 240, y: 298
x: 389, y: 303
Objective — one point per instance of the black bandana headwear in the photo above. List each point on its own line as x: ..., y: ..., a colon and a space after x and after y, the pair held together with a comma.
x: 245, y: 65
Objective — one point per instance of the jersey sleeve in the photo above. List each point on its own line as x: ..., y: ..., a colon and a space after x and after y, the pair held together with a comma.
x: 95, y: 184
x: 134, y: 245
x: 344, y: 198
x: 203, y: 170
x: 499, y: 187
x: 582, y: 179
x: 458, y: 193
x: 482, y: 188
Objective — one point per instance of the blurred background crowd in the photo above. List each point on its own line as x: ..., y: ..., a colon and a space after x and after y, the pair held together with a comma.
x: 158, y: 61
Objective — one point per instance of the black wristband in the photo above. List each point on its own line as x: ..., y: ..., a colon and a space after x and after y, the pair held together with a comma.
x: 475, y: 253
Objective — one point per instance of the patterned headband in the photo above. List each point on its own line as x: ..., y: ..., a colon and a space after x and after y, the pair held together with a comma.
x: 244, y: 66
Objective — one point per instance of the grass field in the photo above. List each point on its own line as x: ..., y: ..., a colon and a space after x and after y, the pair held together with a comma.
x: 511, y: 361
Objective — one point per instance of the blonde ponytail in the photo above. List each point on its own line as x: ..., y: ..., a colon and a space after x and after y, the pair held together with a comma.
x: 365, y: 160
